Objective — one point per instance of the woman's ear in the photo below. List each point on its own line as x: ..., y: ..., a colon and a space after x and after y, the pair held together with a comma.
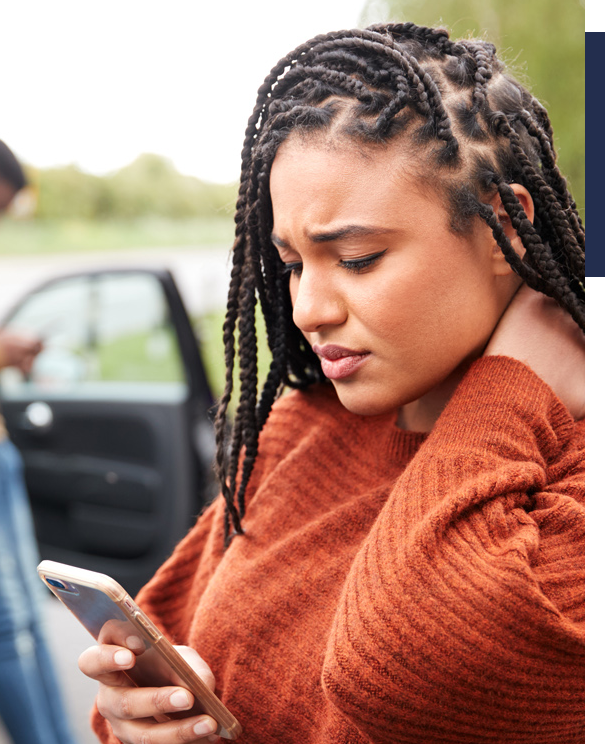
x: 527, y: 203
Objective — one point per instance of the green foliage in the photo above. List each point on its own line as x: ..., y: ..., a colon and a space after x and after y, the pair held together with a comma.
x: 150, y: 185
x: 128, y: 359
x: 542, y: 41
x: 67, y: 192
x: 146, y: 204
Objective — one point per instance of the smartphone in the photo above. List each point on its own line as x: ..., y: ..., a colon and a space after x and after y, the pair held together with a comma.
x: 110, y: 615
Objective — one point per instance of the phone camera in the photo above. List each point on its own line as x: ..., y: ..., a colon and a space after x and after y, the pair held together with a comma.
x: 63, y: 586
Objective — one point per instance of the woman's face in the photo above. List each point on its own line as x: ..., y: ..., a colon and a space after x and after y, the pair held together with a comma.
x: 394, y: 303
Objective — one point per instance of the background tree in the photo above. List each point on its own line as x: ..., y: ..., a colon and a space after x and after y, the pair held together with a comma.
x: 150, y: 185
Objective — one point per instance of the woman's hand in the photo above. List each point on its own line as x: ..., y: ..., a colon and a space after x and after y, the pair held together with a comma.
x: 130, y: 710
x: 537, y: 332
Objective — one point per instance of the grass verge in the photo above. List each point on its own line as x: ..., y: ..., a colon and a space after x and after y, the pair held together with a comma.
x: 29, y: 237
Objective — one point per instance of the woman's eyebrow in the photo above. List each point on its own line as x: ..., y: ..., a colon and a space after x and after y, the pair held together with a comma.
x: 348, y: 231
x: 340, y: 233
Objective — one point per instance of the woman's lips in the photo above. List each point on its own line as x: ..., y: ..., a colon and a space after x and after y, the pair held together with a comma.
x: 337, y: 362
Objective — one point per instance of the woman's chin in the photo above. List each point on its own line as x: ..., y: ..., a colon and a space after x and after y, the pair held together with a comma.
x: 359, y: 400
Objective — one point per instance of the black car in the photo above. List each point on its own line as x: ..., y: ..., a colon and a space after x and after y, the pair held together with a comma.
x: 113, y: 423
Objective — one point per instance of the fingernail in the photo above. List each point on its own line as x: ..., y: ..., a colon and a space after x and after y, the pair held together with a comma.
x: 204, y: 726
x: 180, y: 700
x: 123, y: 657
x: 134, y: 643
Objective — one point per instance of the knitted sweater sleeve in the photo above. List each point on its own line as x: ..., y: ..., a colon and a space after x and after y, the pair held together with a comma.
x: 461, y: 620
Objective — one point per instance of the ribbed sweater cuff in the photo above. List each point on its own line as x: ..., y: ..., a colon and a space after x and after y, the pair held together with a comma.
x: 498, y: 400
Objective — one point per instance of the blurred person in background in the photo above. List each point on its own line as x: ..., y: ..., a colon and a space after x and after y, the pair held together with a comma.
x: 30, y: 702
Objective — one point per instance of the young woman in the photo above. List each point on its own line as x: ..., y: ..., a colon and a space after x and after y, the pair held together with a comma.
x: 398, y: 554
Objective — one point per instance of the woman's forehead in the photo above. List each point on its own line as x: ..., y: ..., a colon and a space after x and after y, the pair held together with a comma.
x: 316, y: 190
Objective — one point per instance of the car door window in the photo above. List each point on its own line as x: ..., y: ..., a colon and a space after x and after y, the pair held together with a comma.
x: 103, y: 334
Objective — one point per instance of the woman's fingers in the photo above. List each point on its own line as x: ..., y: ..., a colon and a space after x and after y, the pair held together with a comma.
x: 121, y: 633
x: 106, y: 663
x: 133, y: 715
x: 134, y: 712
x: 535, y: 330
x: 169, y: 733
x: 197, y: 729
x: 141, y: 702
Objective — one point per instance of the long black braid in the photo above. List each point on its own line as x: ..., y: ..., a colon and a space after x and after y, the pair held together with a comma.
x: 462, y: 115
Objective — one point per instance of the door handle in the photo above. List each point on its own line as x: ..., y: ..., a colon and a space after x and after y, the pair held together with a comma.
x: 38, y: 417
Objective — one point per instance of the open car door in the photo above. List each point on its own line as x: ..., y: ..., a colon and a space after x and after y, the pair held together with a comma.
x: 113, y: 422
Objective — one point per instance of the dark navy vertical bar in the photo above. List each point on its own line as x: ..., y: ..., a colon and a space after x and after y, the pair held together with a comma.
x: 595, y: 148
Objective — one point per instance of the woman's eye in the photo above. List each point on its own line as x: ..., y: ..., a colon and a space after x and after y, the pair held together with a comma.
x: 357, y: 265
x: 294, y: 267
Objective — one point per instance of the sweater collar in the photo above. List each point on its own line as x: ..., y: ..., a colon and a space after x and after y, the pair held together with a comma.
x: 402, y: 445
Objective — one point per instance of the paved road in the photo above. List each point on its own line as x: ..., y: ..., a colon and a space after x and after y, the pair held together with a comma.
x: 202, y: 274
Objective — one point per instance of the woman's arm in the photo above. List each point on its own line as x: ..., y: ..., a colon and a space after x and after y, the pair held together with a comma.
x: 462, y: 617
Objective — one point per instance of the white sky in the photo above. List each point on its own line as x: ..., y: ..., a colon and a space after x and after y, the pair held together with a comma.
x: 97, y: 82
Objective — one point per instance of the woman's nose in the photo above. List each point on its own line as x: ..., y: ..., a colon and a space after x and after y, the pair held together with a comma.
x: 316, y: 301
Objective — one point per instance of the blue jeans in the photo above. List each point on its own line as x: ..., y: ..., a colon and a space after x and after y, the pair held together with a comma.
x: 30, y: 702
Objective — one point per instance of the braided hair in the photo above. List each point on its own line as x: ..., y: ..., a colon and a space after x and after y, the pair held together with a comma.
x: 474, y: 125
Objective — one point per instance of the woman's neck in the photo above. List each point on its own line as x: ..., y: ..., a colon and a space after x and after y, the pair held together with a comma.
x: 422, y: 414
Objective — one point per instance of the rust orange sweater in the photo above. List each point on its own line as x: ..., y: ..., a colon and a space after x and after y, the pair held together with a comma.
x: 392, y: 586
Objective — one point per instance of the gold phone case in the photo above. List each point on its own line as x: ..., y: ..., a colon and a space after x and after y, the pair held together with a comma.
x: 103, y: 606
